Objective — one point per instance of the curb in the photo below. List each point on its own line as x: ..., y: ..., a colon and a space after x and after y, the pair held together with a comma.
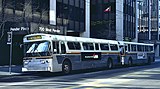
x: 15, y: 70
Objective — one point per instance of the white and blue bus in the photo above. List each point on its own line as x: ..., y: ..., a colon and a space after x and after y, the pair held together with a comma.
x: 55, y: 53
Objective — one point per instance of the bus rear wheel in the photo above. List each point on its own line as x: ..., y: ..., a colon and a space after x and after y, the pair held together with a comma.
x: 66, y: 67
x: 130, y: 62
x: 149, y: 61
x: 109, y: 64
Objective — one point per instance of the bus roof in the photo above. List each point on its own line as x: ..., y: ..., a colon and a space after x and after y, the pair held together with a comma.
x: 78, y: 39
x: 70, y: 38
x: 135, y: 43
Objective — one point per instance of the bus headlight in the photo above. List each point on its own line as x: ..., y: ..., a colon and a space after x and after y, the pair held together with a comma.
x: 26, y: 62
x: 47, y: 61
x: 42, y: 62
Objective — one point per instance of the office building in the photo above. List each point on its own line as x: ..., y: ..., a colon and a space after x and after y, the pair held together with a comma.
x: 62, y: 17
x: 147, y: 15
x: 127, y: 20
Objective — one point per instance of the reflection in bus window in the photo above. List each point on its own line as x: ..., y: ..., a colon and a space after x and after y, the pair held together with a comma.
x: 88, y: 46
x: 133, y: 47
x: 140, y: 48
x: 55, y: 46
x: 114, y: 47
x: 146, y: 48
x: 38, y: 48
x: 74, y: 45
x: 63, y: 48
x: 32, y: 48
x: 104, y: 46
x: 43, y: 47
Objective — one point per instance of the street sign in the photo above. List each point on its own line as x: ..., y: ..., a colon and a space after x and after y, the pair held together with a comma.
x: 9, y: 39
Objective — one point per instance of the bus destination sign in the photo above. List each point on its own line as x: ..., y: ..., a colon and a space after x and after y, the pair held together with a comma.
x: 34, y: 37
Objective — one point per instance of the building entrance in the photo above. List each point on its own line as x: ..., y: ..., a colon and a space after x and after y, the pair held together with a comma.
x: 17, y: 51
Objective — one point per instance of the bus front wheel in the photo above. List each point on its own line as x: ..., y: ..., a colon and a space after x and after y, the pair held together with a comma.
x: 66, y: 67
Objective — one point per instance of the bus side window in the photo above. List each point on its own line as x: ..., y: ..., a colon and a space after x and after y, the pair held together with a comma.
x: 114, y: 47
x: 63, y: 48
x: 55, y: 47
x: 88, y: 46
x: 96, y: 46
x: 133, y: 47
x: 146, y: 49
x: 126, y: 48
x: 104, y: 46
x: 140, y: 48
x: 129, y: 47
x: 150, y: 48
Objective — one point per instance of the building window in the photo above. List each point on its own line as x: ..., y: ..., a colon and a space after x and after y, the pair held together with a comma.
x: 129, y: 19
x: 71, y: 14
x: 104, y: 21
x: 9, y: 4
x: 40, y: 11
x: 19, y: 4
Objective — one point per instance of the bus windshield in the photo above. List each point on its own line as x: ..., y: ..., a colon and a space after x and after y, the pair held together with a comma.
x: 40, y: 48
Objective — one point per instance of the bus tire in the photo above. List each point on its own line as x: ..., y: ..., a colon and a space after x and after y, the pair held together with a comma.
x: 130, y: 62
x: 109, y: 64
x: 153, y: 59
x: 149, y: 61
x: 66, y: 67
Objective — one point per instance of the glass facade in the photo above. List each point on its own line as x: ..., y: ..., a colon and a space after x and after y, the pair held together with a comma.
x: 154, y: 19
x: 143, y: 21
x: 148, y: 20
x: 71, y: 13
x: 103, y: 19
x: 159, y: 16
x: 129, y: 20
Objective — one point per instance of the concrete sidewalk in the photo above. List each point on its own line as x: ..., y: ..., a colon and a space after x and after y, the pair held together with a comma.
x: 15, y: 70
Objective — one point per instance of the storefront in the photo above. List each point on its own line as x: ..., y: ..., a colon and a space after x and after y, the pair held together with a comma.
x: 19, y: 31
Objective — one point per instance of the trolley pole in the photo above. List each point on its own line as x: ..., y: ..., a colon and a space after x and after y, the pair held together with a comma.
x: 9, y: 41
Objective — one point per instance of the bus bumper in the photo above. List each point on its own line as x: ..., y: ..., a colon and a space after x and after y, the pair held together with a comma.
x: 24, y: 69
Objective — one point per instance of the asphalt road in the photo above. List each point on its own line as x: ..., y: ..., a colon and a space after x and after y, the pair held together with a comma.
x: 138, y: 77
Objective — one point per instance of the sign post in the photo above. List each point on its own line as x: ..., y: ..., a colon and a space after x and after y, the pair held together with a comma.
x: 9, y: 41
